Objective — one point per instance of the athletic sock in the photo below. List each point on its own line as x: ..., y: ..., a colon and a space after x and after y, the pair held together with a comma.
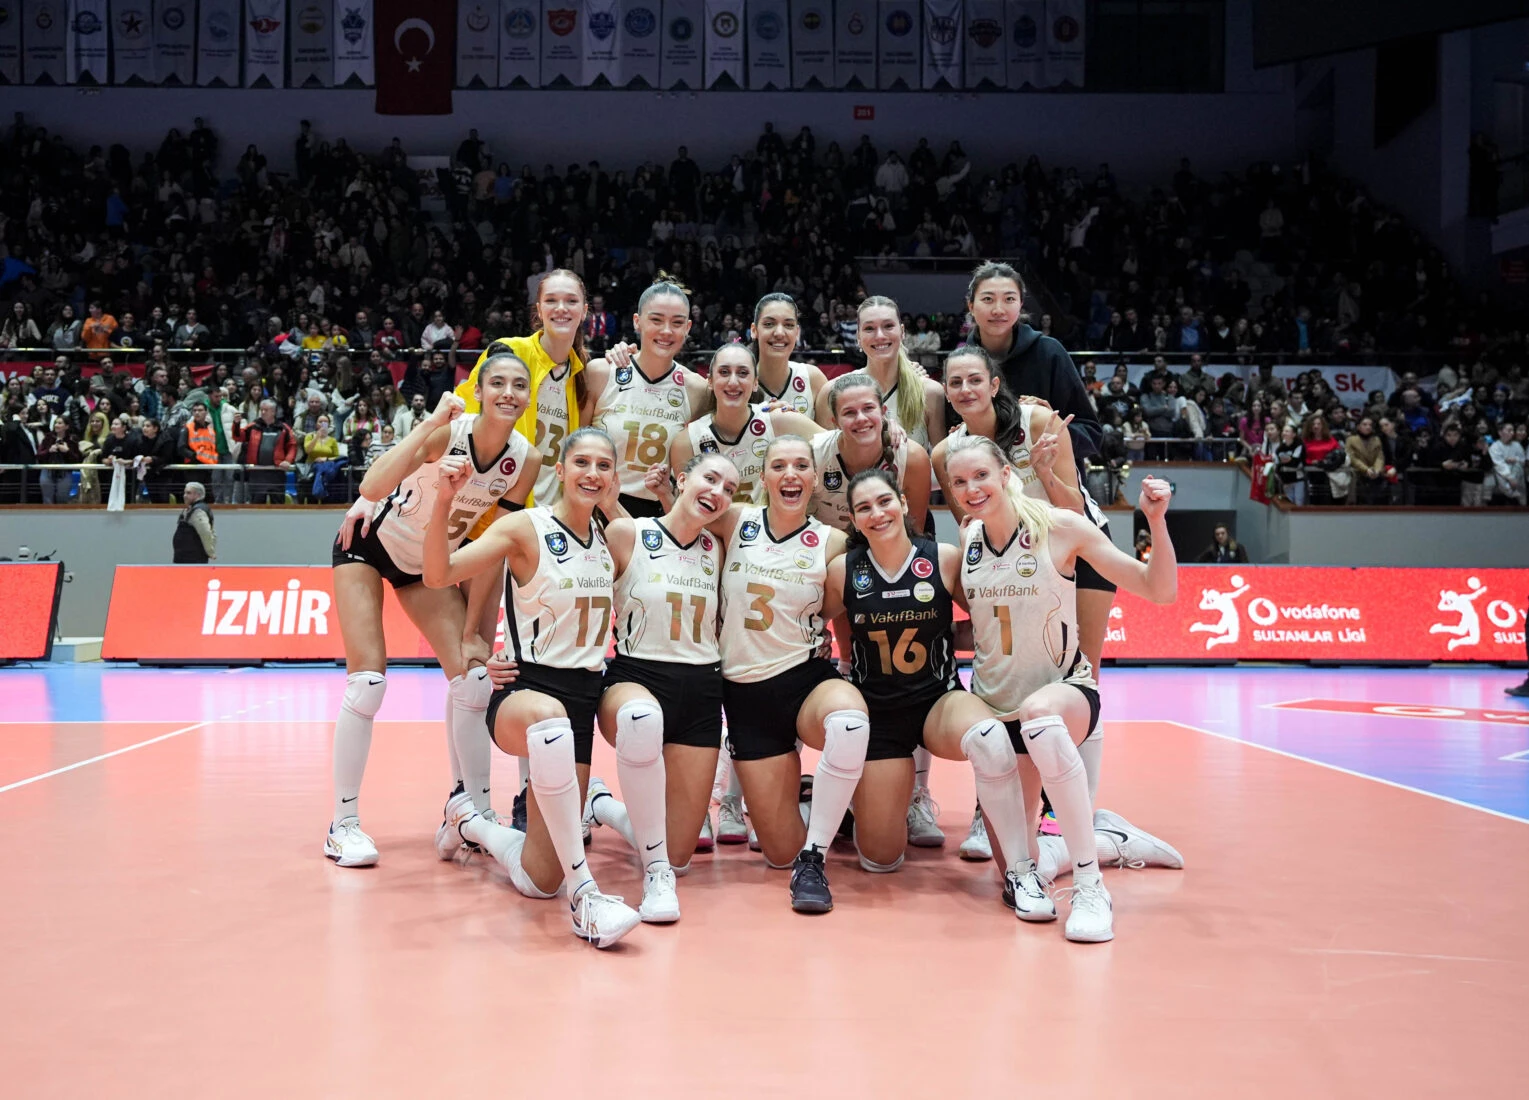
x: 996, y: 770
x: 921, y: 760
x: 467, y: 697
x: 1061, y: 768
x: 451, y: 748
x: 555, y: 780
x: 353, y: 739
x: 644, y: 783
x: 846, y: 735
x: 1092, y: 753
x: 525, y: 772
x: 505, y: 845
x: 609, y: 811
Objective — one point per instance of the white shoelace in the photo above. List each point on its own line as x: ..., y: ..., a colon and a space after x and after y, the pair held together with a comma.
x: 1090, y: 896
x: 924, y: 807
x: 585, y: 913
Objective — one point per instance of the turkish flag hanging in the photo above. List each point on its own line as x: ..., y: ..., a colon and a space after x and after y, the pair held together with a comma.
x: 416, y: 53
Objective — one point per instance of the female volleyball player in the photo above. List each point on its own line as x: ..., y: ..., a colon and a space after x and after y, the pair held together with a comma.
x: 648, y: 400
x: 557, y: 616
x: 396, y: 501
x: 776, y: 689
x: 860, y: 439
x: 913, y: 399
x: 1020, y: 557
x: 783, y: 384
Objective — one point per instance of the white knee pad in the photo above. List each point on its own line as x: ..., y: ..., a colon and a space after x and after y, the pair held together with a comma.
x: 522, y: 882
x: 682, y: 871
x: 846, y: 736
x: 472, y: 689
x: 986, y: 744
x: 364, y: 692
x: 1050, y: 746
x: 549, y: 747
x: 875, y: 868
x: 639, y: 733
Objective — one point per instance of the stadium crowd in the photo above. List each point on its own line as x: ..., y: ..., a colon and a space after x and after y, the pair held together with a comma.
x: 158, y: 310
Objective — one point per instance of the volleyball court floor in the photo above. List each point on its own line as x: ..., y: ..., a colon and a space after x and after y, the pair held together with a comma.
x: 1351, y: 921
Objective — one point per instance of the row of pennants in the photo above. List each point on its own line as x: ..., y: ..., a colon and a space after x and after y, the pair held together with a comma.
x: 693, y: 44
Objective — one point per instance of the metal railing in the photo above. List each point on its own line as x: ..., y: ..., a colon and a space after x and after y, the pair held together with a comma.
x: 170, y: 479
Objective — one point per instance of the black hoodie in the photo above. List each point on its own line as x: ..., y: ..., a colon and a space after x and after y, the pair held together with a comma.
x: 1038, y: 366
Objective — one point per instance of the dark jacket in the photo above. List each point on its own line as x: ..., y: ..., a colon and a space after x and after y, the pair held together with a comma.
x: 1038, y: 366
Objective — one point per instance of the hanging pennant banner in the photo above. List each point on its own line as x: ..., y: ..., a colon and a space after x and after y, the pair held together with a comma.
x: 681, y: 65
x: 174, y: 42
x: 724, y: 42
x: 478, y: 44
x: 812, y: 44
x: 45, y: 24
x: 354, y: 65
x: 769, y: 44
x: 1064, y: 43
x: 87, y: 42
x: 602, y: 42
x: 520, y: 43
x: 132, y: 42
x: 562, y: 44
x: 312, y: 43
x: 10, y: 43
x: 640, y: 39
x: 943, y: 26
x: 265, y: 43
x: 986, y: 52
x: 898, y: 57
x: 217, y: 44
x: 855, y: 44
x: 1024, y: 42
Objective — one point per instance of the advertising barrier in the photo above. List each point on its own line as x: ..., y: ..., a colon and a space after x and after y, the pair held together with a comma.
x: 1223, y: 613
x: 29, y: 593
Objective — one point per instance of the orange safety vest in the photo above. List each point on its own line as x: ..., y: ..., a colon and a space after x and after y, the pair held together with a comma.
x: 204, y: 444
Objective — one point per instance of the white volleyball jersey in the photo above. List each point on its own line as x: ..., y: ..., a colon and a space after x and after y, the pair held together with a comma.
x: 796, y: 394
x: 401, y: 517
x: 830, y: 500
x: 561, y: 617
x: 552, y: 422
x: 918, y: 432
x: 668, y: 599
x: 1033, y: 420
x: 642, y: 417
x: 746, y: 452
x: 772, y: 597
x: 1024, y: 620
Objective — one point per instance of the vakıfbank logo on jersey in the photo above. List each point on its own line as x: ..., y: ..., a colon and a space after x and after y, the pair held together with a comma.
x: 1274, y: 623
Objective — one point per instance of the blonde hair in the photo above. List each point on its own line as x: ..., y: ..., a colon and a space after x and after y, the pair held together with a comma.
x: 910, y: 384
x: 761, y: 495
x: 1035, y: 516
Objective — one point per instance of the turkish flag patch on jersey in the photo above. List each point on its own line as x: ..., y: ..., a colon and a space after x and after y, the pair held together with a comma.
x: 922, y: 568
x: 810, y: 538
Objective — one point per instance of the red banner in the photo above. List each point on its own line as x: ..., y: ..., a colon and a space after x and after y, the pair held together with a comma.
x: 416, y: 50
x: 29, y: 596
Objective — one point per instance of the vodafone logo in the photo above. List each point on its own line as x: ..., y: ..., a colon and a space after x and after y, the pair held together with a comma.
x: 293, y: 610
x: 1272, y: 622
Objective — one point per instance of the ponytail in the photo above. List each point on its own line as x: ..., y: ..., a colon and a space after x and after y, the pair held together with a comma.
x: 856, y: 380
x: 910, y: 384
x: 1007, y: 414
x: 1035, y: 516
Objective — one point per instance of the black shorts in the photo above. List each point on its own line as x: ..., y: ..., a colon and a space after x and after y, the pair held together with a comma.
x: 578, y: 689
x: 1087, y: 576
x: 641, y: 507
x: 369, y: 550
x: 761, y: 717
x: 1091, y: 694
x: 897, y: 729
x: 690, y: 695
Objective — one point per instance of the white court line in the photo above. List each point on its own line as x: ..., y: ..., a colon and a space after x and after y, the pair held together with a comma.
x: 1392, y: 954
x: 1346, y: 771
x: 1516, y: 757
x: 126, y: 748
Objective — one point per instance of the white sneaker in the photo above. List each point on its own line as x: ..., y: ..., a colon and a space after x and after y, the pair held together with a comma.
x: 1092, y: 919
x: 601, y: 918
x: 708, y: 839
x: 923, y: 813
x: 448, y: 839
x: 660, y: 902
x: 348, y: 846
x: 597, y: 788
x: 732, y: 827
x: 976, y: 847
x: 754, y: 845
x: 1124, y: 845
x: 1022, y: 892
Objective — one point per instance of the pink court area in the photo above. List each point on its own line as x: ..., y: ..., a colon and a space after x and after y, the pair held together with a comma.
x: 170, y: 928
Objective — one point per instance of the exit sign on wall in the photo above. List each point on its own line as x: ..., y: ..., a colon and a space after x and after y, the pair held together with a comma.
x: 864, y: 112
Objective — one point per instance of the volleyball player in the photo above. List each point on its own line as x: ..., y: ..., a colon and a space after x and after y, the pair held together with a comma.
x: 1019, y: 562
x: 557, y: 616
x: 395, y: 502
x: 861, y: 439
x: 783, y: 384
x: 913, y: 399
x: 647, y: 402
x: 776, y: 688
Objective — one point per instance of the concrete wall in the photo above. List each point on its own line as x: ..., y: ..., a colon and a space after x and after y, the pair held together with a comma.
x: 1409, y: 536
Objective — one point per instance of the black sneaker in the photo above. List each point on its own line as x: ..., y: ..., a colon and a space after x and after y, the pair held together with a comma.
x: 1518, y: 691
x: 518, y: 812
x: 809, y: 884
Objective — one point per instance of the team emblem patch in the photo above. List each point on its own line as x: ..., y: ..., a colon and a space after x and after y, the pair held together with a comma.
x: 652, y: 539
x: 923, y: 568
x: 749, y: 531
x: 519, y: 23
x: 803, y: 560
x: 923, y: 592
x: 974, y: 553
x: 562, y: 21
x: 985, y: 32
x: 861, y: 578
x: 557, y: 543
x: 810, y: 538
x: 832, y: 480
x: 497, y: 487
x: 681, y: 29
x: 709, y: 447
x: 640, y: 22
x: 1025, y: 565
x: 1025, y: 32
x: 602, y: 24
x: 899, y: 23
x: 676, y: 399
x: 760, y: 448
x: 624, y: 376
x: 507, y: 467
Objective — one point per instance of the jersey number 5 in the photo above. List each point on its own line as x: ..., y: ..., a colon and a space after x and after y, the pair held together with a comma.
x: 458, y: 523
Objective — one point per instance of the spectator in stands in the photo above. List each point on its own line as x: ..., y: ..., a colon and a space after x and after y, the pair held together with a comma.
x: 1290, y: 466
x: 20, y: 329
x: 156, y: 450
x: 1324, y: 455
x: 437, y: 335
x: 191, y: 333
x: 59, y: 447
x: 1478, y: 467
x: 97, y: 328
x: 1507, y: 455
x: 1367, y: 460
x: 1250, y: 428
x: 116, y: 454
x: 270, y: 450
x: 389, y: 339
x: 64, y: 333
x: 1159, y: 410
x: 1224, y: 549
x: 322, y: 452
x: 97, y: 431
x: 195, y: 542
x: 1136, y: 436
